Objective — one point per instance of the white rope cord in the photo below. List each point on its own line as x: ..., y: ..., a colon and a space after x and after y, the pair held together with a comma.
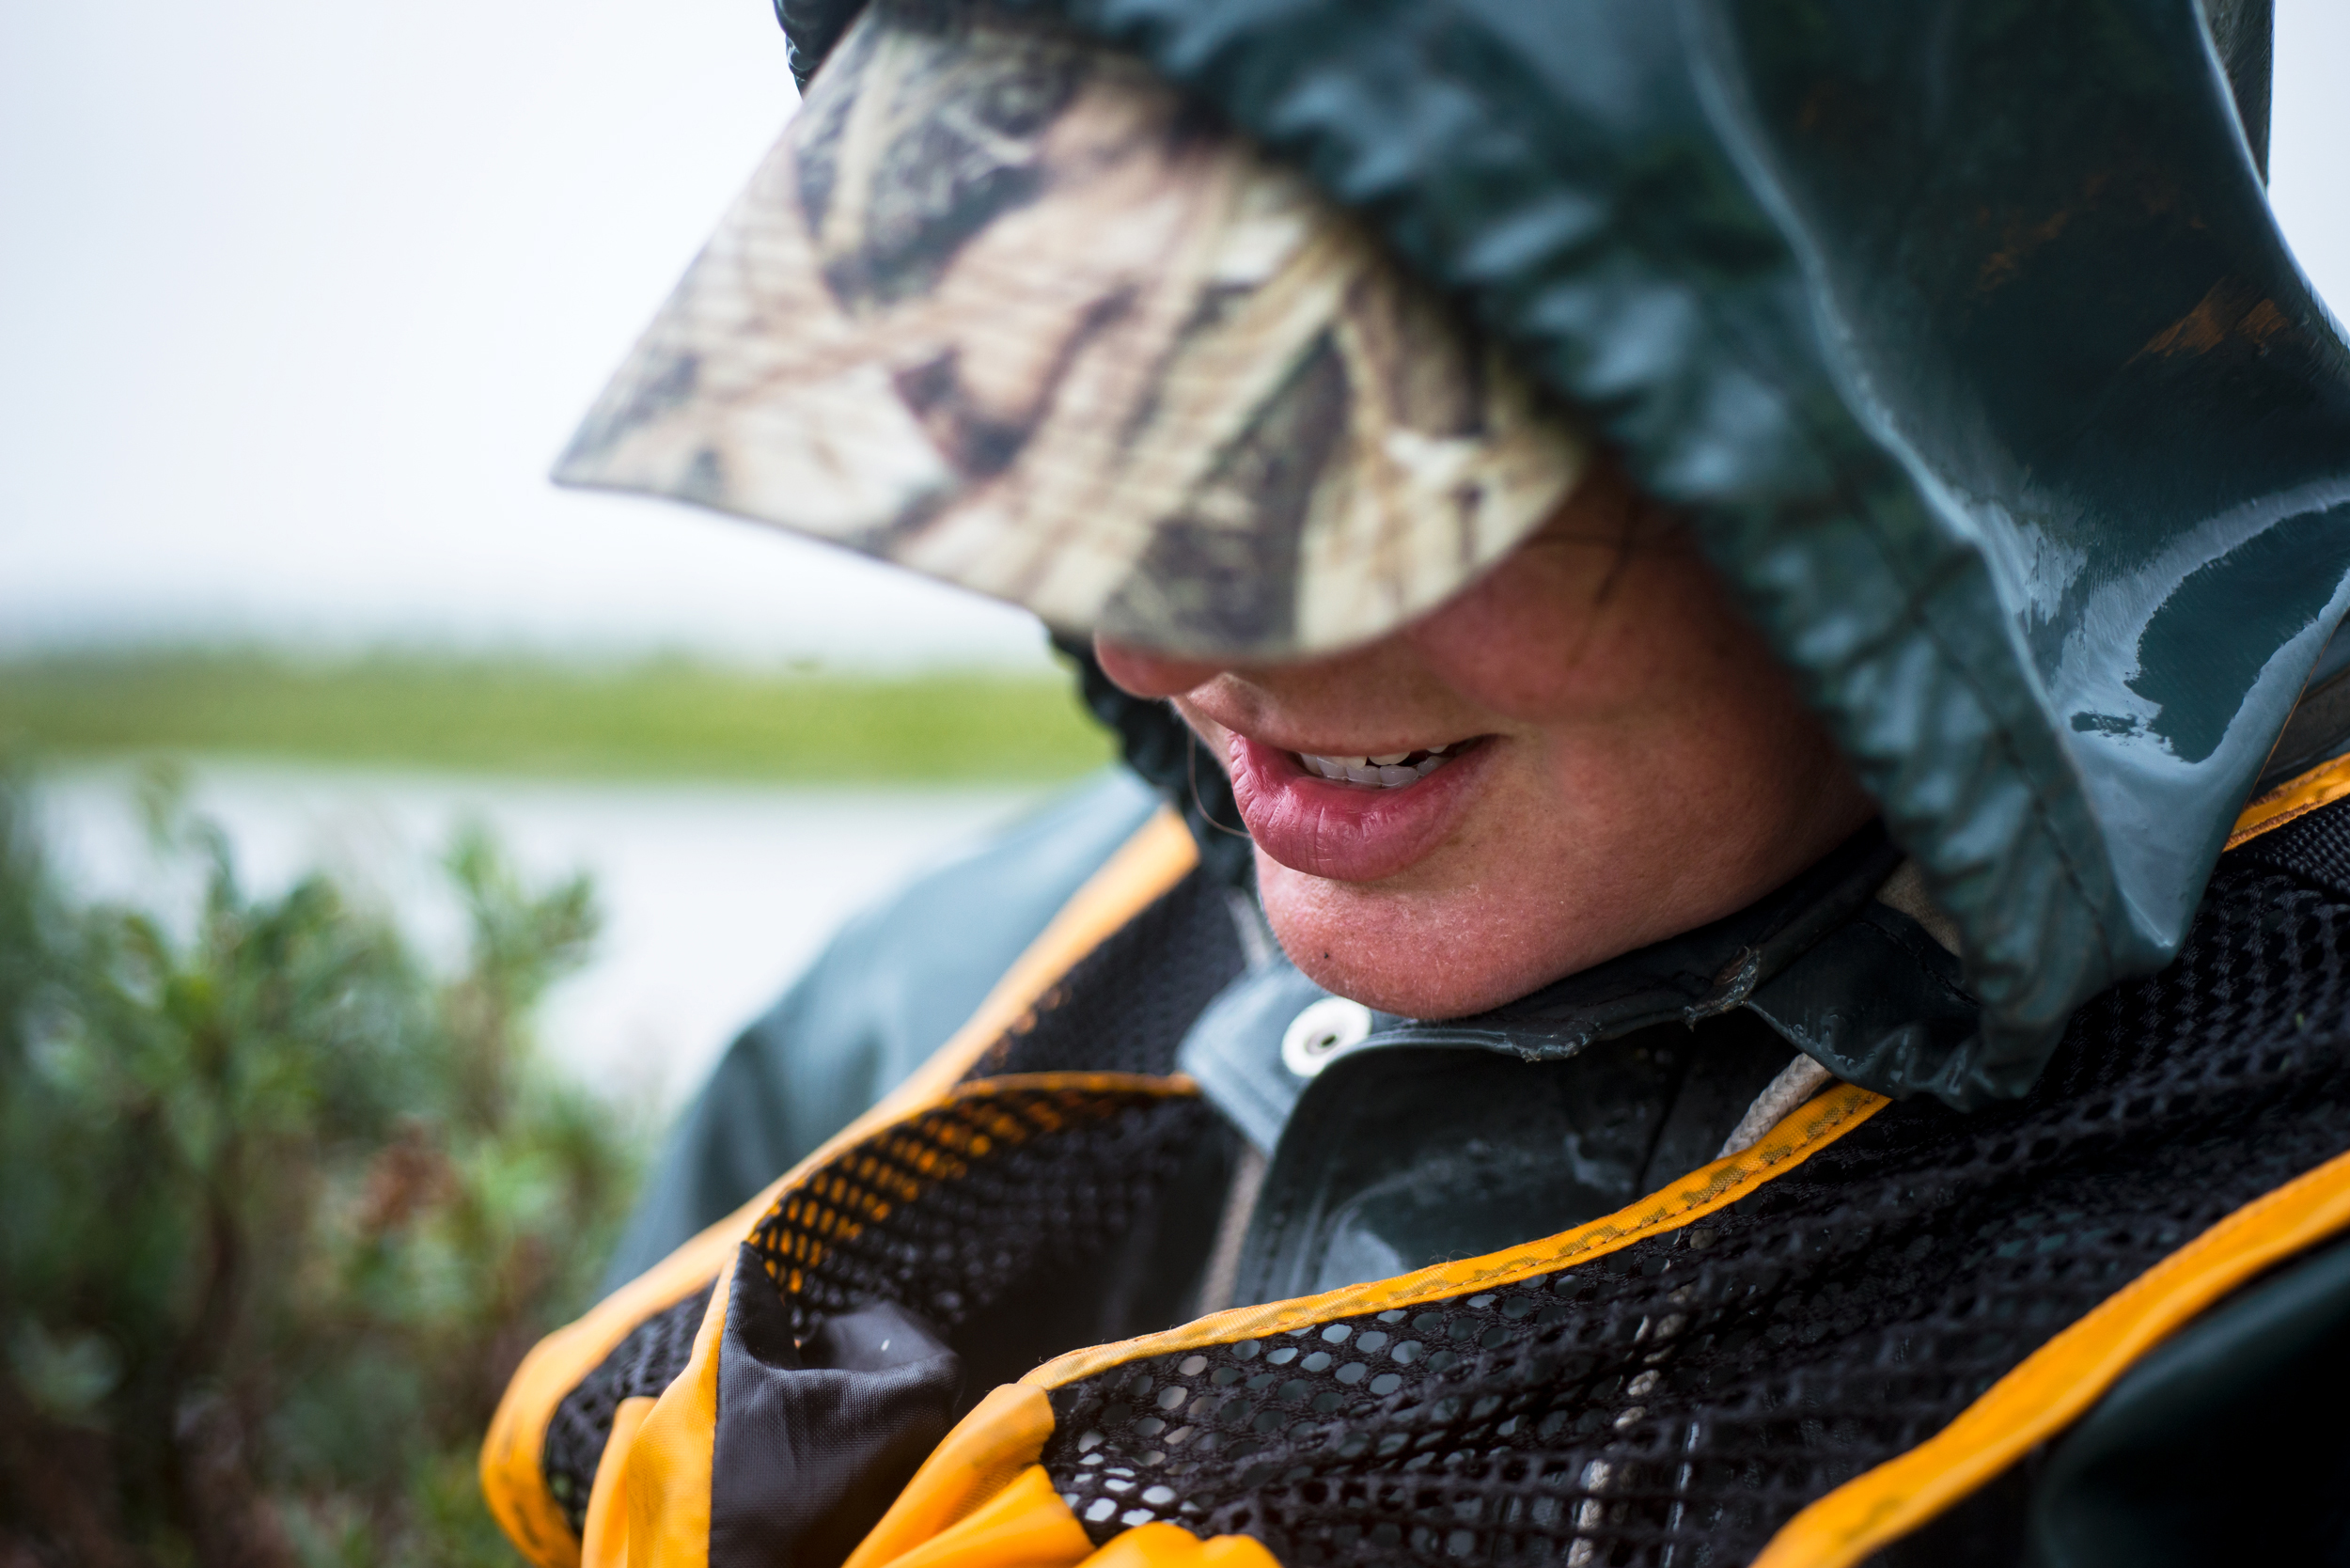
x: 1799, y: 1081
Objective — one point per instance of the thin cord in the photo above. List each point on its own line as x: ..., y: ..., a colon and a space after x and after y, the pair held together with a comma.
x: 1797, y: 1082
x: 1222, y: 1279
x: 1192, y: 750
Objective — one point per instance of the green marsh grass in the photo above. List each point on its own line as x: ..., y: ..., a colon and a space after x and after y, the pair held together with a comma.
x: 659, y: 718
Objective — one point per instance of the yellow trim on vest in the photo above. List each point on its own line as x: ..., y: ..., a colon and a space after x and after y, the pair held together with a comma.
x: 604, y: 1538
x: 2058, y: 1383
x: 1803, y: 1133
x: 663, y: 1481
x: 2322, y: 785
x: 976, y: 1464
x: 1157, y: 856
x: 511, y: 1481
x: 668, y: 1459
x: 981, y: 1501
x: 1023, y: 1525
x: 1166, y: 1545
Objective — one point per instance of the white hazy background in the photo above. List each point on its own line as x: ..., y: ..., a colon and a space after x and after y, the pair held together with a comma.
x: 298, y: 301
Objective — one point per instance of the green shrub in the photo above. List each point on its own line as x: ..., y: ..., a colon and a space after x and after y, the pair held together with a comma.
x: 280, y: 1209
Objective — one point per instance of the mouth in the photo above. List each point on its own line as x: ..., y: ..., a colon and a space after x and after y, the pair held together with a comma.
x: 1355, y: 817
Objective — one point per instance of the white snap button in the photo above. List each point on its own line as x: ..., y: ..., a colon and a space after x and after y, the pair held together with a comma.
x: 1321, y: 1032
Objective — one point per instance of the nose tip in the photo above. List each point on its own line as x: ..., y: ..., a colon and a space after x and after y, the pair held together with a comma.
x: 1144, y: 673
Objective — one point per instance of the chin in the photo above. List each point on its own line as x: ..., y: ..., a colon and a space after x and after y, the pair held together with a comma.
x: 1418, y: 954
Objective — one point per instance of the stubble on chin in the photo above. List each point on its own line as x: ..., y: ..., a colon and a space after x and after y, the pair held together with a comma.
x: 1425, y: 952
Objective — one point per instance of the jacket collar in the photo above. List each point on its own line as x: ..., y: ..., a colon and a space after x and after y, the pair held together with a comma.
x: 1840, y: 973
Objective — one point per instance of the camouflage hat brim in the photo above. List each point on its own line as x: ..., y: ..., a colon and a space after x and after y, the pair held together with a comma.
x: 1002, y: 308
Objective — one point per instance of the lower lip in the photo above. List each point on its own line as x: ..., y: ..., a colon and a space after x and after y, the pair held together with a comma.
x: 1347, y: 832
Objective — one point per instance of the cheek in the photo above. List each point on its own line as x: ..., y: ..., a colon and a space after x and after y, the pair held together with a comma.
x: 1577, y: 627
x: 1508, y: 644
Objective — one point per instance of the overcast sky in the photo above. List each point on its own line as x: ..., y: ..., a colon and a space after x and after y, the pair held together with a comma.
x: 298, y: 300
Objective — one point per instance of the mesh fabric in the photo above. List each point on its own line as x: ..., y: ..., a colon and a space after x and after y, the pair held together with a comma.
x: 953, y: 1207
x: 646, y: 1362
x: 1126, y: 1006
x: 945, y: 1211
x: 2315, y: 847
x: 1680, y: 1399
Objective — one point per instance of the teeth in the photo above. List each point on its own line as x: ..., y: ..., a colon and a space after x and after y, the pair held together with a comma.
x: 1388, y: 772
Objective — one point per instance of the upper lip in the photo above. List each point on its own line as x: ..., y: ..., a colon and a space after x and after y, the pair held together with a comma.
x: 1382, y: 750
x: 1348, y: 748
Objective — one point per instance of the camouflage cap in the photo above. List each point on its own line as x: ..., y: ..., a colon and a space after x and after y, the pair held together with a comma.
x: 1002, y: 307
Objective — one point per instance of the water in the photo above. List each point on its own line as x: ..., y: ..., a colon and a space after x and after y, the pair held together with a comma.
x: 715, y: 896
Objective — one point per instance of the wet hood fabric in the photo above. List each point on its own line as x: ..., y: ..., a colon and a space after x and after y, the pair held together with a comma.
x: 1962, y: 333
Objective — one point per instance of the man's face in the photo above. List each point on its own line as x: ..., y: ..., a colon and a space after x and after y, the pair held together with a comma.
x: 1616, y: 757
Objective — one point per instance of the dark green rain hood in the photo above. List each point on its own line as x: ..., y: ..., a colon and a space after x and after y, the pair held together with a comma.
x: 1962, y: 333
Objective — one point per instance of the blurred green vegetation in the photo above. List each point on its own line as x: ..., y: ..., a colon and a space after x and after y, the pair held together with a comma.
x: 662, y: 718
x: 283, y: 1209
